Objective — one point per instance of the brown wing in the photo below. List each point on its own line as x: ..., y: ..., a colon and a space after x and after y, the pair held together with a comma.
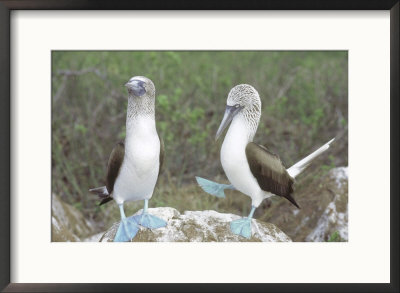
x: 114, y: 165
x: 269, y: 171
x: 162, y: 154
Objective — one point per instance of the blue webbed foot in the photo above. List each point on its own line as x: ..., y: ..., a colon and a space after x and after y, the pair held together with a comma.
x: 213, y: 188
x: 242, y: 227
x: 126, y: 231
x: 149, y: 221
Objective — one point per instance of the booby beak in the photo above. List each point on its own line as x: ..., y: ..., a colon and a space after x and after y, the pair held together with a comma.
x: 136, y: 86
x: 230, y: 112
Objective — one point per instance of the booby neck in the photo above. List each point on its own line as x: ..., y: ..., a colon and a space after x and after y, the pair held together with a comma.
x: 243, y: 127
x: 140, y: 111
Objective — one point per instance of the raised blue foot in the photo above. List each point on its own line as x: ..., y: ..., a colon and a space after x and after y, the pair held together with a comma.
x: 242, y: 227
x: 213, y: 188
x: 126, y: 231
x: 149, y: 221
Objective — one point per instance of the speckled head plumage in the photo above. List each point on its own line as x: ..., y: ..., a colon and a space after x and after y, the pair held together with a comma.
x: 246, y: 97
x: 243, y: 100
x: 142, y: 93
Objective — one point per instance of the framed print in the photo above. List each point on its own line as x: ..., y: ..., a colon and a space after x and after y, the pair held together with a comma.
x: 193, y: 150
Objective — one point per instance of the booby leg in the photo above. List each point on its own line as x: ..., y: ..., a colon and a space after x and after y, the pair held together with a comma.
x: 127, y: 228
x: 242, y: 226
x: 147, y: 220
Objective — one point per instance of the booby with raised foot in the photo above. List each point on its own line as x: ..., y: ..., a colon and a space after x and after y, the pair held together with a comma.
x: 135, y: 164
x: 251, y: 168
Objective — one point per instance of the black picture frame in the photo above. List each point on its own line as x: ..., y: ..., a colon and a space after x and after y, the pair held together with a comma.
x: 5, y: 152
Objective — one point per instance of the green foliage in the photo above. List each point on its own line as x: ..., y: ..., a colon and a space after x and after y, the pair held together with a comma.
x: 304, y: 100
x: 335, y: 237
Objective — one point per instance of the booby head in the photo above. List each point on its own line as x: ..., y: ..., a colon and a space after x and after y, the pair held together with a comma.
x: 141, y: 86
x: 243, y: 100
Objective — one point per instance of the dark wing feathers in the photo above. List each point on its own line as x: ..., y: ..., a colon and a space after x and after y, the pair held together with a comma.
x: 114, y: 165
x: 105, y: 200
x: 269, y: 171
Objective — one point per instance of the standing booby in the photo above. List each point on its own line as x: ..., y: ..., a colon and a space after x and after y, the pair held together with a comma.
x: 251, y: 168
x: 134, y: 165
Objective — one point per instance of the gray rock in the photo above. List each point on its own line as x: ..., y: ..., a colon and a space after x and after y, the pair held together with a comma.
x: 199, y: 226
x: 67, y: 222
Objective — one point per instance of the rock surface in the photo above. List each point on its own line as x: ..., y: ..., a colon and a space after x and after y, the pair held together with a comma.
x: 324, y: 210
x: 67, y: 222
x: 199, y: 226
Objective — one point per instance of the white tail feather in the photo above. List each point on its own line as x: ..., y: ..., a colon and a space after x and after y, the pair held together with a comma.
x: 299, y: 167
x: 100, y: 191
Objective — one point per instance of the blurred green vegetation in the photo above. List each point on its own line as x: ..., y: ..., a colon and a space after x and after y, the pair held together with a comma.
x: 335, y: 237
x: 304, y: 104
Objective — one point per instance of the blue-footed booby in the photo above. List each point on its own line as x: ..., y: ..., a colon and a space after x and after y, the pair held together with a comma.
x: 134, y: 165
x: 251, y: 168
